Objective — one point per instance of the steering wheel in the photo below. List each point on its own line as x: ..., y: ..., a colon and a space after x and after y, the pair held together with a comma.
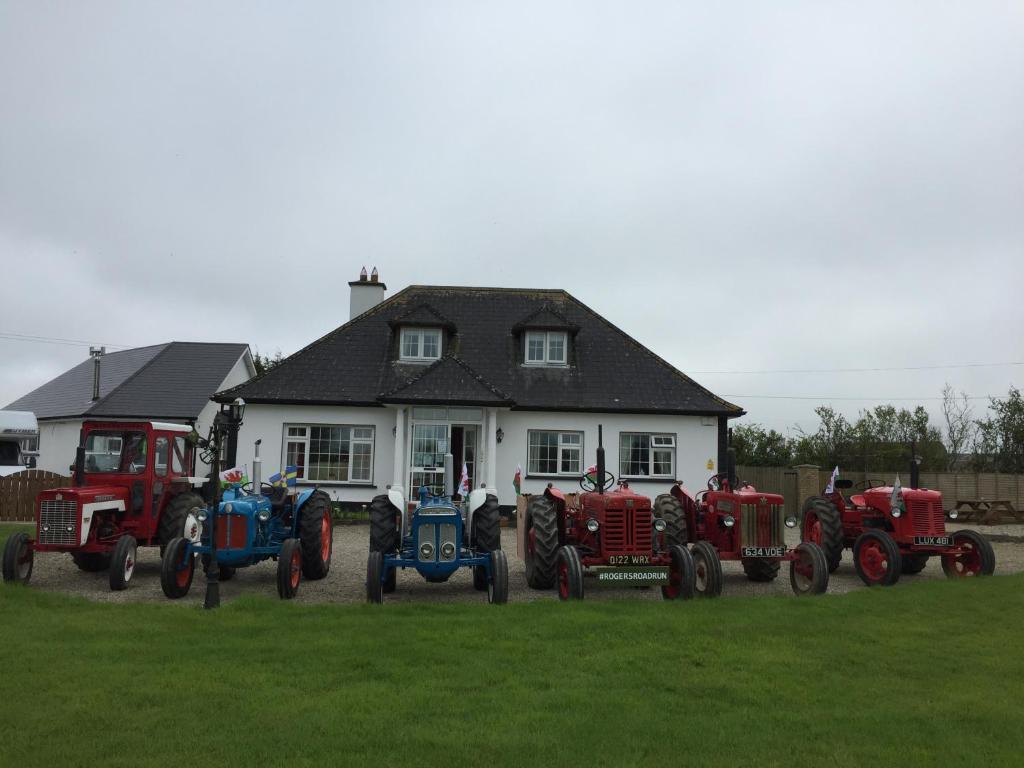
x: 590, y: 485
x: 715, y: 481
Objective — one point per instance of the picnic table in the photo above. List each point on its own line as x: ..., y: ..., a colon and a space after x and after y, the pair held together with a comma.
x: 987, y: 511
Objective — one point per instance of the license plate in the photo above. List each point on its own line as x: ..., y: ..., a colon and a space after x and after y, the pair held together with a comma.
x: 631, y: 577
x: 629, y: 559
x: 763, y: 552
x: 933, y: 541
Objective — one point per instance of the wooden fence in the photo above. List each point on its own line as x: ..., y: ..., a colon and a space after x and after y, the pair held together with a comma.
x: 18, y: 493
x: 773, y: 480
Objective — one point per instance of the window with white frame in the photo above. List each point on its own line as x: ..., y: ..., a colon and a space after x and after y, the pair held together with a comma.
x: 331, y: 453
x: 420, y: 344
x: 555, y: 453
x: 545, y: 348
x: 643, y: 454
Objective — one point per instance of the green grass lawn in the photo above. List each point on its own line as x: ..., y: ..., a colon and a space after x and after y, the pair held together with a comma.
x: 922, y: 674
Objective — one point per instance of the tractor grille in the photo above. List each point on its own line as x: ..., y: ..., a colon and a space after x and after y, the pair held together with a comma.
x: 927, y: 517
x: 627, y: 530
x: 232, y: 531
x: 762, y: 525
x: 54, y: 519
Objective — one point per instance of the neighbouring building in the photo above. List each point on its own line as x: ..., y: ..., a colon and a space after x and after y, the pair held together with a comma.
x: 499, y: 377
x: 170, y: 382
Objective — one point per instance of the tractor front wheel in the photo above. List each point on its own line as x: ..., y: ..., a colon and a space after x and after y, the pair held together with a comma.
x: 914, y: 563
x: 177, y: 568
x: 668, y: 508
x: 122, y: 562
x: 681, y: 574
x: 761, y: 569
x: 823, y: 525
x: 570, y: 574
x: 497, y: 587
x: 877, y: 558
x: 316, y: 532
x: 374, y: 575
x: 289, y: 568
x: 707, y: 580
x: 978, y: 559
x: 18, y: 558
x: 808, y: 574
x: 541, y: 542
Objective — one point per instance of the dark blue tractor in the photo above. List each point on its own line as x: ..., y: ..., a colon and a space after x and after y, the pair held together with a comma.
x: 295, y: 530
x: 440, y: 537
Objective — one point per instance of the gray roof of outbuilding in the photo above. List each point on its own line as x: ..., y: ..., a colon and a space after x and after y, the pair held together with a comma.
x: 164, y: 381
x: 608, y: 371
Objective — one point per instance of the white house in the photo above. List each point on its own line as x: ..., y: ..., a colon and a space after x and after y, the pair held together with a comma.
x: 170, y: 382
x: 499, y: 377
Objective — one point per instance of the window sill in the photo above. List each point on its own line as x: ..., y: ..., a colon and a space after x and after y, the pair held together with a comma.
x: 418, y: 360
x: 545, y: 365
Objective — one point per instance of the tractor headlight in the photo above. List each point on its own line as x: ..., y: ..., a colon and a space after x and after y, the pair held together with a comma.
x: 791, y: 522
x: 201, y: 516
x: 426, y: 550
x: 953, y: 514
x: 728, y: 521
x: 659, y: 524
x: 228, y: 508
x: 448, y: 550
x: 263, y: 515
x: 593, y: 525
x: 896, y: 512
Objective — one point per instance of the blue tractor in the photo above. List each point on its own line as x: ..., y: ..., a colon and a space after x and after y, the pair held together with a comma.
x: 295, y: 530
x: 440, y: 537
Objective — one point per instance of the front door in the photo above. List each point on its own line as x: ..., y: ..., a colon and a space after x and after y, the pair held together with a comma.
x: 429, y: 445
x: 464, y: 453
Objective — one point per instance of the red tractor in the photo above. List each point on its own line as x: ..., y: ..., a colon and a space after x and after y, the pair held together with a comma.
x: 892, y: 531
x: 742, y: 524
x: 132, y: 487
x: 610, y: 535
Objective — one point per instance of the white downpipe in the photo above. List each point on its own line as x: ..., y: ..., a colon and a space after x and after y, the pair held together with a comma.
x: 492, y: 451
x: 397, y: 476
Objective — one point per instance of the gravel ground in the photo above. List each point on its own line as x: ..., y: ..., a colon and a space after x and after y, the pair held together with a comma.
x: 345, y: 583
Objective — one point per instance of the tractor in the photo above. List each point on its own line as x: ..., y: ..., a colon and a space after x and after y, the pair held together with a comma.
x: 294, y: 530
x: 892, y: 531
x: 132, y: 487
x: 439, y: 537
x: 610, y: 535
x: 732, y: 520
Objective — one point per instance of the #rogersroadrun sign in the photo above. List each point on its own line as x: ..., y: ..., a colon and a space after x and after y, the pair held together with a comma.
x: 628, y: 577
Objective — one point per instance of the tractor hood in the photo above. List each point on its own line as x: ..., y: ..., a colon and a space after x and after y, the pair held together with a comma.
x: 235, y: 503
x: 750, y: 495
x: 875, y: 495
x: 86, y: 494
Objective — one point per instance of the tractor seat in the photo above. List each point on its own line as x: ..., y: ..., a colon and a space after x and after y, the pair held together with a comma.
x: 858, y: 500
x: 278, y: 498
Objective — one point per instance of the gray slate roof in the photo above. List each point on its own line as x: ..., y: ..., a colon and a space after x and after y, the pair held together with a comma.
x: 165, y: 381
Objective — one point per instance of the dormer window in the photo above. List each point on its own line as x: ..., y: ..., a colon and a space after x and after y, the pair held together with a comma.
x: 420, y: 344
x: 545, y: 348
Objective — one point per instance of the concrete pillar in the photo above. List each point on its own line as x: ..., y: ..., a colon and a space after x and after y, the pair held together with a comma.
x: 398, y: 475
x: 492, y: 451
x: 806, y: 482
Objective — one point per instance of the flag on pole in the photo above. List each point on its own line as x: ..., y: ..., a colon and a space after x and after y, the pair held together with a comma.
x: 896, y: 500
x: 464, y: 481
x: 591, y: 473
x: 233, y: 476
x: 288, y: 478
x: 831, y: 487
x: 518, y: 479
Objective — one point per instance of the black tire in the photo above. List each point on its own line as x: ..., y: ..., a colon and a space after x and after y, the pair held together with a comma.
x: 761, y: 569
x: 486, y: 526
x: 669, y: 509
x: 176, y: 581
x: 172, y: 522
x: 831, y: 529
x: 812, y: 559
x: 570, y: 573
x: 91, y: 562
x: 497, y: 588
x: 18, y: 558
x: 983, y: 549
x: 122, y: 562
x: 383, y: 525
x: 374, y: 567
x: 542, y: 520
x: 879, y: 542
x: 681, y: 574
x: 390, y: 580
x: 914, y: 563
x: 289, y: 569
x: 314, y: 516
x: 707, y: 565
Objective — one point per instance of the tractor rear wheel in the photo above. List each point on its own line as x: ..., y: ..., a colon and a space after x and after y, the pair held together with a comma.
x: 180, y: 519
x: 289, y: 569
x: 978, y: 560
x: 570, y: 573
x: 761, y: 569
x: 177, y: 568
x: 122, y: 562
x: 383, y: 525
x: 808, y: 575
x: 18, y: 558
x: 487, y: 525
x: 91, y: 562
x: 914, y: 563
x: 707, y: 580
x: 668, y: 508
x: 497, y: 588
x: 541, y: 542
x: 877, y: 558
x: 316, y: 532
x: 681, y: 574
x: 374, y: 572
x: 823, y: 525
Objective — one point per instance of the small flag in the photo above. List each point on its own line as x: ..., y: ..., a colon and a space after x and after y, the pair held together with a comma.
x: 591, y: 473
x: 831, y: 487
x: 518, y: 479
x: 233, y: 476
x: 464, y: 481
x: 289, y: 478
x: 896, y: 500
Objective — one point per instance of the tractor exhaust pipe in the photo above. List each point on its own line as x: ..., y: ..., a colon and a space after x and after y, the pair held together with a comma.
x: 96, y: 353
x: 915, y: 466
x: 80, y: 466
x: 730, y: 463
x: 257, y: 469
x: 449, y: 475
x: 600, y: 459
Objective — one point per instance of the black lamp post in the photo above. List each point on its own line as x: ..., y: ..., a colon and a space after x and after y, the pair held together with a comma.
x: 225, y: 427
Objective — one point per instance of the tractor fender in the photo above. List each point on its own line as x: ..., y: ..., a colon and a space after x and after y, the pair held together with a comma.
x: 397, y: 498
x: 303, y: 498
x: 475, y: 501
x: 680, y: 492
x: 554, y: 493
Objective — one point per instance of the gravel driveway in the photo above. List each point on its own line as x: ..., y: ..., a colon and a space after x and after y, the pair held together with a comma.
x: 345, y: 583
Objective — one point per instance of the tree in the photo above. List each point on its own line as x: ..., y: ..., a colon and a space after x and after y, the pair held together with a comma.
x: 756, y: 447
x: 263, y: 363
x: 999, y: 445
x: 960, y: 425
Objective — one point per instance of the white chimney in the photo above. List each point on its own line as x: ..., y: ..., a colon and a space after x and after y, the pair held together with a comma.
x: 366, y: 293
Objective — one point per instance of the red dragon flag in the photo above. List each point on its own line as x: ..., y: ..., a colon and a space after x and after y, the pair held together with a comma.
x: 518, y: 479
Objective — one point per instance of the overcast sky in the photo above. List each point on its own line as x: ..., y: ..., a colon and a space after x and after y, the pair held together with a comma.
x: 739, y: 186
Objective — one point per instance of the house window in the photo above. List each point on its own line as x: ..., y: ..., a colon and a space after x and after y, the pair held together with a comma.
x: 419, y: 344
x: 330, y: 453
x: 642, y: 454
x: 545, y: 348
x: 555, y: 453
